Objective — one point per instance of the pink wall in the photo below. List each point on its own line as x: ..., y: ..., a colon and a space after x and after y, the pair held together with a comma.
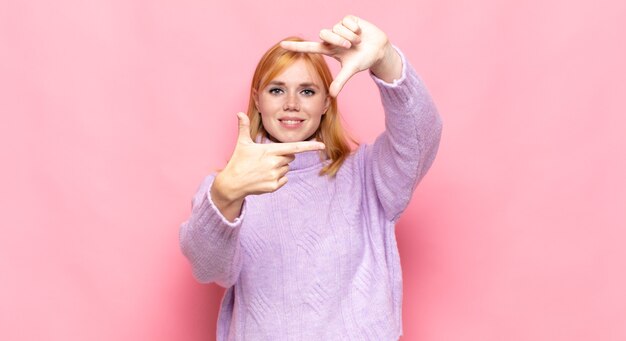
x: 113, y: 111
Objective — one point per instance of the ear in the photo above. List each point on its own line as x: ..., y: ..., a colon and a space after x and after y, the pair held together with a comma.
x: 255, y: 96
x: 326, y: 104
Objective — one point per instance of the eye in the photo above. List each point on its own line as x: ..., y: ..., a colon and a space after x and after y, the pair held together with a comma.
x: 308, y: 92
x: 276, y: 91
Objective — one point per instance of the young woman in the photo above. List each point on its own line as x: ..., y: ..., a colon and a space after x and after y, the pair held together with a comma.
x: 299, y: 228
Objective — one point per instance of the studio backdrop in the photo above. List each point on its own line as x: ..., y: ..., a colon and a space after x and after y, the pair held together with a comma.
x: 114, y: 111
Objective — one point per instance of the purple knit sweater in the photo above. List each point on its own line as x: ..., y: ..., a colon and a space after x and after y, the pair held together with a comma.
x: 317, y: 259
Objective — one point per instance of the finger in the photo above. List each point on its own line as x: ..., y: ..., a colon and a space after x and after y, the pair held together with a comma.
x: 281, y: 182
x: 305, y: 46
x: 244, y: 128
x: 342, y: 78
x: 347, y: 34
x: 282, y: 171
x: 352, y: 23
x: 284, y: 159
x: 334, y: 39
x: 294, y: 147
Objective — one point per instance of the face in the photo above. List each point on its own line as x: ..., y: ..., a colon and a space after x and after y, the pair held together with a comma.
x: 293, y: 103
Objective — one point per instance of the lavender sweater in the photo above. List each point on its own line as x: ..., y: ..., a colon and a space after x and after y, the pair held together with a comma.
x: 317, y: 259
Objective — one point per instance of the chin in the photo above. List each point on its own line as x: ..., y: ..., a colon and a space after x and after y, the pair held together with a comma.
x: 290, y: 138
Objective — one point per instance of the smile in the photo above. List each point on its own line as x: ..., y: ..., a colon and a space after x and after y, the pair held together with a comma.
x: 291, y: 123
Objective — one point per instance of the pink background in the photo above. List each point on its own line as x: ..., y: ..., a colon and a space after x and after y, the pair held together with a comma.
x: 113, y: 111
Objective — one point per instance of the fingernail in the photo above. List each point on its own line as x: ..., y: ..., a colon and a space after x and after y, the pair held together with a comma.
x: 346, y: 44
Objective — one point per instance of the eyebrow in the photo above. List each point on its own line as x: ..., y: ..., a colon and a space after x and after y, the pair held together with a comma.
x: 302, y: 85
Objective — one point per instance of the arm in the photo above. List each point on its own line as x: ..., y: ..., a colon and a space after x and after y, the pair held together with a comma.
x: 210, y: 241
x: 210, y: 238
x: 404, y: 152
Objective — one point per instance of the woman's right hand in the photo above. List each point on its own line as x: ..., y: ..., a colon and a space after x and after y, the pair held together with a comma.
x: 254, y: 169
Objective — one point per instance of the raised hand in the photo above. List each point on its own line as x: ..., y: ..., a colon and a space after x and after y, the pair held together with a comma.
x: 254, y: 169
x: 358, y: 45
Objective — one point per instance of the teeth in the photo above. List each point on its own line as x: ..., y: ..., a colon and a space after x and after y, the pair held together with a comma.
x: 291, y: 122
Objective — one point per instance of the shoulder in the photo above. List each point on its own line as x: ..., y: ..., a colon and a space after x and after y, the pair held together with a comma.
x: 355, y: 165
x: 351, y: 183
x: 355, y: 158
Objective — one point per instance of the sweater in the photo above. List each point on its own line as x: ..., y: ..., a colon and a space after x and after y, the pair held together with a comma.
x: 317, y: 259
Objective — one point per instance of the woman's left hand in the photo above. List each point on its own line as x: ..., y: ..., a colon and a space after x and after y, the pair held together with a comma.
x: 358, y: 45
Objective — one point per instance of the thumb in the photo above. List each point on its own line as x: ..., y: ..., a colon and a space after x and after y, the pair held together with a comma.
x: 342, y: 78
x: 244, y: 128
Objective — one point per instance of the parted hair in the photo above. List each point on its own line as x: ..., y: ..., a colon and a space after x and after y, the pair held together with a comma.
x: 330, y: 131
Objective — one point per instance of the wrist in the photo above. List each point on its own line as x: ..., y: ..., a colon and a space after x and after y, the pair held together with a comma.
x: 223, y: 193
x: 389, y: 67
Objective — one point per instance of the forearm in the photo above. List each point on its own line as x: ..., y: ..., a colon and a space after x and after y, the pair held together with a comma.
x: 211, y: 242
x: 404, y: 152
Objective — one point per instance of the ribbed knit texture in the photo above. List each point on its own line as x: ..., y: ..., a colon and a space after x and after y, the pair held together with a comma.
x: 317, y: 259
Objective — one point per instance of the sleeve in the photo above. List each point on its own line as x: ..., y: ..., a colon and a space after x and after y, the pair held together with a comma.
x: 403, y: 153
x: 211, y: 242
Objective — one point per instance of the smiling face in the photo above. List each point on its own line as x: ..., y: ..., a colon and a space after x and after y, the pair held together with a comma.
x: 293, y: 103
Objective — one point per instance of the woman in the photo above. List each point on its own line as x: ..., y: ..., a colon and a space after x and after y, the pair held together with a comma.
x: 315, y: 257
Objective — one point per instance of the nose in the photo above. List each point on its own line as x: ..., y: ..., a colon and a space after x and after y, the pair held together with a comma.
x: 291, y: 103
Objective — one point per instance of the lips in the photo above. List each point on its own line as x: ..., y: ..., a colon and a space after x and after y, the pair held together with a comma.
x: 291, y: 122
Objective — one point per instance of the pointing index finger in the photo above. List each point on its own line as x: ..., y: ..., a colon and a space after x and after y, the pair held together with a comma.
x: 295, y: 147
x: 305, y: 46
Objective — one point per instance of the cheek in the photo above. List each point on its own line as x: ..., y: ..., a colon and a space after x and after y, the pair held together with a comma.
x: 266, y: 120
x: 266, y: 104
x: 316, y: 108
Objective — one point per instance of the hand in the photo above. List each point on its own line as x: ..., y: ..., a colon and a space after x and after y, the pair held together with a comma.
x: 358, y: 45
x: 254, y: 169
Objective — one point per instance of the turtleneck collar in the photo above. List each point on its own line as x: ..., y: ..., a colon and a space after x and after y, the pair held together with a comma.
x: 303, y: 160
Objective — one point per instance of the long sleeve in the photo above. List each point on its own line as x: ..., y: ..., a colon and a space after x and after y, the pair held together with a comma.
x: 403, y: 153
x: 211, y: 242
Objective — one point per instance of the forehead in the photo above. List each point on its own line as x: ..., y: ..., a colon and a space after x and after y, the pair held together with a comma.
x: 300, y: 71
